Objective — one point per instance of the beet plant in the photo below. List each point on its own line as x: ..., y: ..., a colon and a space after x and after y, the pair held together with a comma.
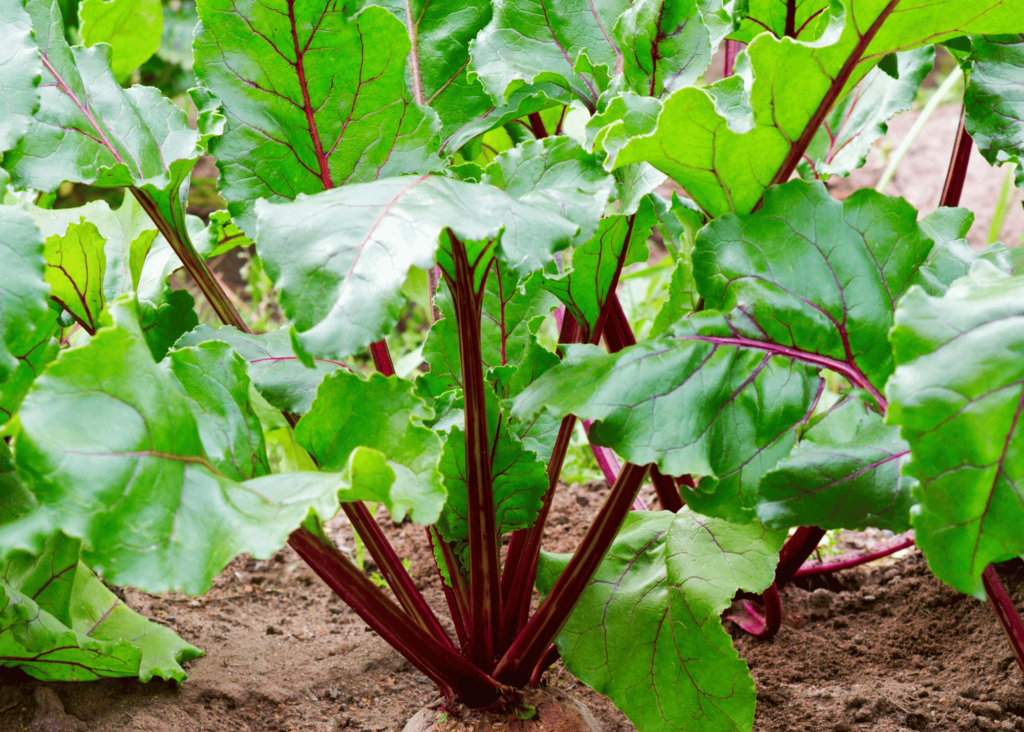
x: 815, y: 364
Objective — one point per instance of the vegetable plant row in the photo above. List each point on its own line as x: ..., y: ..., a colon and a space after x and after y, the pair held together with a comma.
x: 818, y: 364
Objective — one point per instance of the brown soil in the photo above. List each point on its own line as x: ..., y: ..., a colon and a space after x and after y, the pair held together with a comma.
x: 889, y: 649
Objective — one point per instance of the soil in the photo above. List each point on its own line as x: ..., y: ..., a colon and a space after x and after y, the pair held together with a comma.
x: 886, y: 647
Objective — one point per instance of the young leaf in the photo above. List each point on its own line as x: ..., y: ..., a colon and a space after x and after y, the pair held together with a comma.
x: 994, y: 100
x: 23, y: 289
x: 340, y: 284
x: 851, y: 128
x: 845, y: 473
x: 725, y: 146
x: 596, y: 265
x: 298, y: 121
x: 276, y: 372
x: 97, y: 484
x: 958, y: 395
x: 21, y: 69
x: 132, y: 28
x: 646, y: 631
x: 383, y: 414
x: 75, y: 267
x: 214, y: 377
x: 164, y: 322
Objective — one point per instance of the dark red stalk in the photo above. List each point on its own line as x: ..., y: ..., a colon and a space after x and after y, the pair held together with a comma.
x: 795, y: 551
x: 1004, y: 609
x: 445, y: 667
x: 957, y: 172
x: 762, y: 626
x: 484, y: 572
x: 731, y: 49
x: 609, y: 465
x: 537, y: 126
x: 853, y: 559
x: 550, y: 656
x: 790, y: 30
x: 452, y: 600
x: 530, y: 645
x: 382, y: 358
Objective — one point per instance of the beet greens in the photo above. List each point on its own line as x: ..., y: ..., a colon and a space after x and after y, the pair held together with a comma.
x: 815, y: 364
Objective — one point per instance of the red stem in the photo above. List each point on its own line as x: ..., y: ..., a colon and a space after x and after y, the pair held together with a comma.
x: 731, y: 49
x: 382, y: 357
x: 484, y: 568
x: 440, y: 663
x: 529, y: 647
x: 609, y: 465
x: 957, y: 172
x: 762, y: 626
x: 537, y: 126
x: 795, y: 551
x: 847, y: 561
x: 450, y: 596
x: 550, y: 656
x: 1005, y: 611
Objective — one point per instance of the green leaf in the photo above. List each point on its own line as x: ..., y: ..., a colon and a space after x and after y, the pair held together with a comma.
x: 386, y: 415
x: 132, y: 28
x: 816, y: 274
x: 340, y: 285
x: 276, y: 372
x: 23, y: 289
x: 214, y: 377
x: 994, y: 100
x: 163, y: 323
x: 90, y: 130
x: 298, y: 121
x: 75, y: 267
x: 646, y: 631
x: 958, y: 395
x: 851, y: 128
x: 619, y: 242
x: 727, y: 143
x: 21, y: 68
x: 668, y: 45
x: 564, y: 44
x: 144, y: 499
x: 806, y: 18
x: 844, y: 474
x: 32, y: 357
x: 15, y: 499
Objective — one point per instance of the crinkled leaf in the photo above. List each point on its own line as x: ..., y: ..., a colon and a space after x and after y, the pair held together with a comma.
x: 32, y: 357
x: 299, y: 120
x: 727, y: 143
x: 132, y: 28
x: 568, y: 44
x: 958, y: 395
x: 646, y: 631
x: 386, y: 415
x: 23, y: 288
x: 816, y: 274
x: 276, y: 372
x: 845, y: 137
x: 14, y: 497
x: 668, y: 45
x: 339, y: 258
x: 844, y: 474
x: 163, y: 323
x: 75, y: 267
x: 49, y: 578
x: 596, y: 265
x: 994, y: 99
x: 20, y: 69
x: 214, y: 377
x: 143, y: 498
x: 693, y: 406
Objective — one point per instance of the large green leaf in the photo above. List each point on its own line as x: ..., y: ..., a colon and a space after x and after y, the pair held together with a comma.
x: 815, y: 274
x: 339, y: 258
x: 727, y: 143
x: 802, y: 19
x: 32, y: 355
x: 276, y: 372
x: 646, y: 631
x: 994, y: 99
x: 386, y: 415
x: 144, y: 499
x: 958, y: 395
x: 20, y: 68
x: 845, y: 137
x: 23, y: 289
x: 132, y: 28
x: 214, y: 377
x: 298, y: 119
x: 58, y: 622
x: 75, y: 267
x: 596, y: 265
x: 844, y: 474
x: 90, y: 130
